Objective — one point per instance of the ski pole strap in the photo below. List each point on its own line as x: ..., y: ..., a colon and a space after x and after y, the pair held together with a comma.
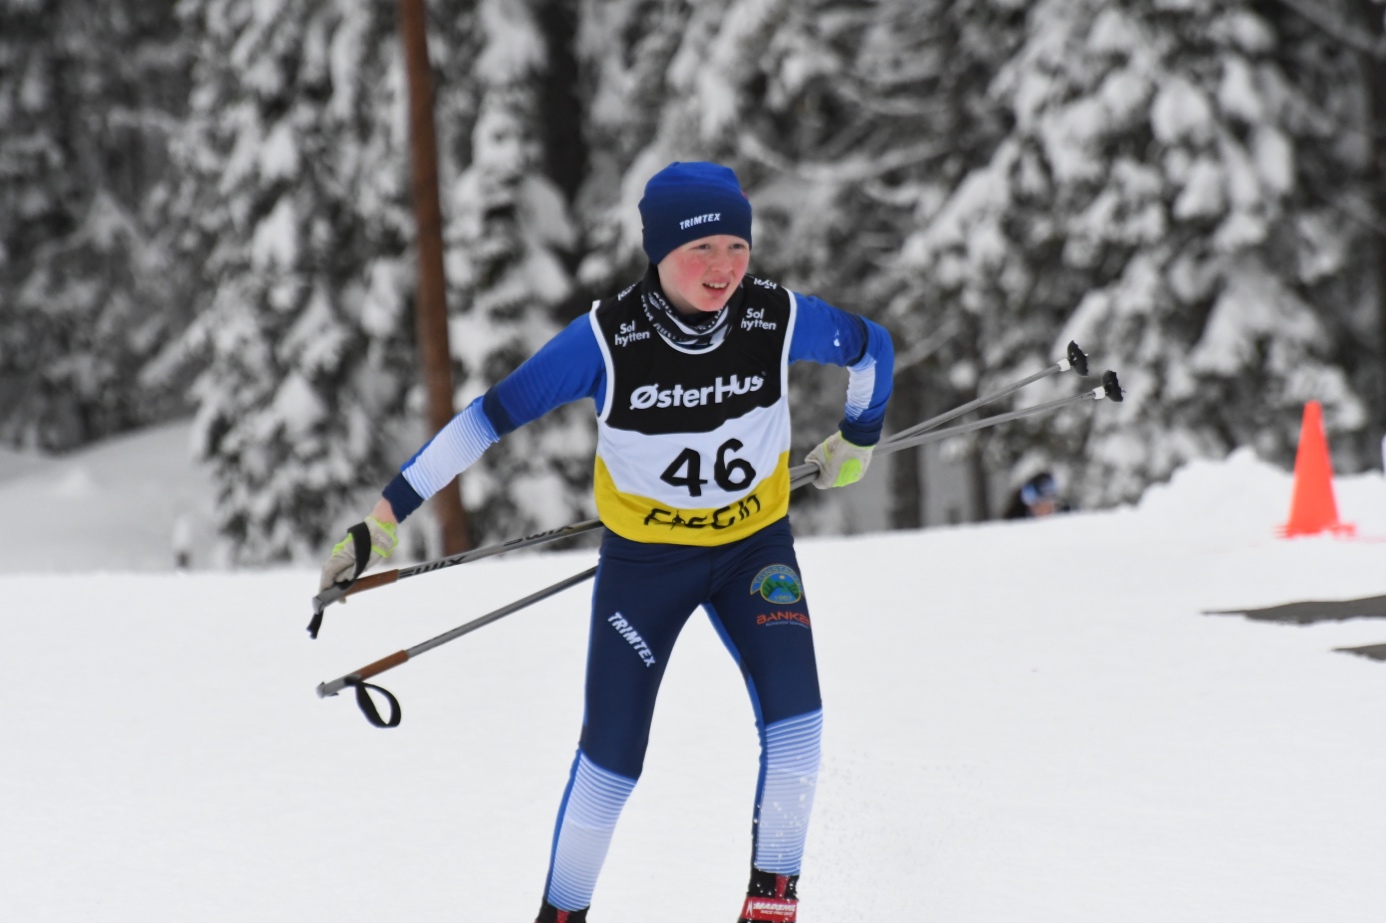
x: 367, y: 704
x: 360, y: 535
x: 358, y: 677
x: 361, y: 547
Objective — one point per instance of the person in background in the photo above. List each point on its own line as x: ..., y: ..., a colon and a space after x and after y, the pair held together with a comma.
x: 688, y: 369
x: 1039, y: 496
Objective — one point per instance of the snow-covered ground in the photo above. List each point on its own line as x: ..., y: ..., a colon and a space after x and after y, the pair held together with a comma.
x: 1024, y: 722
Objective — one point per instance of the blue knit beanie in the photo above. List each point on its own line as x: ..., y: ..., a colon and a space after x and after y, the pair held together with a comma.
x: 686, y: 201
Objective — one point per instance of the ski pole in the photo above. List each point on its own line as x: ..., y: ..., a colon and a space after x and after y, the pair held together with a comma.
x: 359, y: 677
x: 1075, y: 359
x: 335, y: 593
x: 1109, y: 390
x: 799, y: 476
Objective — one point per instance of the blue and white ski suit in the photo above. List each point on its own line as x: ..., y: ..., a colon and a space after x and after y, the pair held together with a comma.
x: 692, y: 485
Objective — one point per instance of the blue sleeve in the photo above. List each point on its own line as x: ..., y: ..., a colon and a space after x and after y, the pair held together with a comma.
x: 566, y: 368
x: 832, y: 336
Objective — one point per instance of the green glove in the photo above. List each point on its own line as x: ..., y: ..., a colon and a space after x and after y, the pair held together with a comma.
x: 341, y: 567
x: 839, y: 462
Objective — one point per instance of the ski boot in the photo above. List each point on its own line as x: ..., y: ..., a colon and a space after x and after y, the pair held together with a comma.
x: 770, y: 898
x: 551, y: 914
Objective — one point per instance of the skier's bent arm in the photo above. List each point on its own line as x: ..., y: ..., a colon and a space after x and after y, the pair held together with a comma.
x: 565, y: 369
x: 831, y: 336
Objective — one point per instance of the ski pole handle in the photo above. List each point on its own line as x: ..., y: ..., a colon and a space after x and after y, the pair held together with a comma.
x: 367, y: 582
x: 340, y: 591
x: 370, y: 581
x: 366, y: 672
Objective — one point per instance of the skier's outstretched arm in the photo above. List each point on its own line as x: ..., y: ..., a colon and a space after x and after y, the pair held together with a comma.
x: 565, y: 369
x: 832, y: 336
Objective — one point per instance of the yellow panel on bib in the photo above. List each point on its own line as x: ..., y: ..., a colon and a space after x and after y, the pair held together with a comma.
x: 641, y: 519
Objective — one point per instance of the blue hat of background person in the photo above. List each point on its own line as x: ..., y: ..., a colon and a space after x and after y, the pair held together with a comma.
x: 1040, y: 487
x: 686, y: 201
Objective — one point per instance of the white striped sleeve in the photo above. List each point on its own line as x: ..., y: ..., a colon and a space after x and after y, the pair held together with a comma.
x: 456, y: 447
x: 861, y: 387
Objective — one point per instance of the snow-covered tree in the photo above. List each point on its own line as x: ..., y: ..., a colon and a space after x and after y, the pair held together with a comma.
x: 298, y: 194
x: 1344, y: 174
x: 898, y: 89
x: 1335, y: 50
x: 88, y: 91
x: 508, y: 236
x: 637, y: 95
x: 296, y: 203
x: 1147, y: 203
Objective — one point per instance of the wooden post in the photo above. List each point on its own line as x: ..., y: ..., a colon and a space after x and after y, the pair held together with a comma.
x: 431, y: 302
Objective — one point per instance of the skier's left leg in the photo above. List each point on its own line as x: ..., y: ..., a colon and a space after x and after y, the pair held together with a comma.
x: 761, y: 613
x: 643, y: 595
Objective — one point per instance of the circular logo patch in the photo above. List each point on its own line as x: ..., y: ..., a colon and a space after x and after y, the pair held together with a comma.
x: 778, y: 584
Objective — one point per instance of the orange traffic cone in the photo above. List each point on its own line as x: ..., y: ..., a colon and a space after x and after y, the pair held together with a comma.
x: 1313, y: 508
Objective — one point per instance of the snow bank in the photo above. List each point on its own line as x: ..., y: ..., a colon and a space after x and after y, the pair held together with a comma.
x: 1244, y: 496
x: 127, y: 504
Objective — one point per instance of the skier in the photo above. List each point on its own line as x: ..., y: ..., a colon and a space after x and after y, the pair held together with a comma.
x: 688, y: 371
x: 1036, y: 498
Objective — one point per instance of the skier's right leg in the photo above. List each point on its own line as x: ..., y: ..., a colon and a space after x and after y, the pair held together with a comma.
x: 643, y: 596
x: 762, y: 614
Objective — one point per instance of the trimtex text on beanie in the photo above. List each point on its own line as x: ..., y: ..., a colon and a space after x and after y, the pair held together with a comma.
x: 687, y: 201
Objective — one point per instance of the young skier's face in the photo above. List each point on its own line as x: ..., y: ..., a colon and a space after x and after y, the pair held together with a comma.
x: 702, y: 274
